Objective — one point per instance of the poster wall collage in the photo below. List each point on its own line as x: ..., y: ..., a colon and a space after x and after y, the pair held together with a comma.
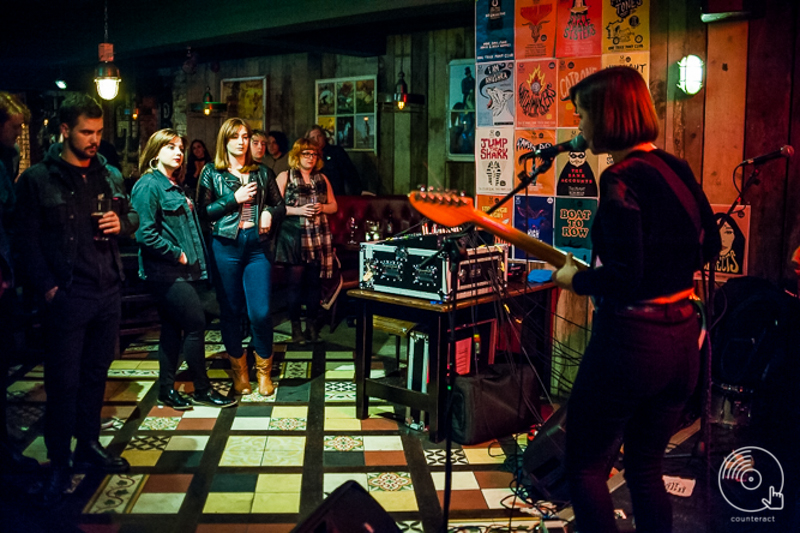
x: 528, y: 55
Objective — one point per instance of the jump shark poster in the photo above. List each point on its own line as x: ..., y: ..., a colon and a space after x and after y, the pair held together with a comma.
x: 495, y: 98
x: 533, y: 215
x: 626, y: 25
x: 494, y: 30
x: 494, y: 153
x: 535, y: 33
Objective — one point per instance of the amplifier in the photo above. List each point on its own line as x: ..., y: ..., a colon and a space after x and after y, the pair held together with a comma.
x: 414, y: 268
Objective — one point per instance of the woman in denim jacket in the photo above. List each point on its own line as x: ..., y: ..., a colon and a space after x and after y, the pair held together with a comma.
x: 241, y: 201
x: 172, y: 262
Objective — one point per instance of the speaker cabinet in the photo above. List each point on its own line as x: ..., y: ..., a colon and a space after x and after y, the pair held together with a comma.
x: 348, y: 509
x: 543, y: 467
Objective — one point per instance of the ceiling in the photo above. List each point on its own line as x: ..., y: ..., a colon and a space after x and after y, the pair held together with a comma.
x: 149, y: 35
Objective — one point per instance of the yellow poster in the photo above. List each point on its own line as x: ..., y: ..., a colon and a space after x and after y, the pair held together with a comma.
x: 626, y: 25
x: 639, y: 61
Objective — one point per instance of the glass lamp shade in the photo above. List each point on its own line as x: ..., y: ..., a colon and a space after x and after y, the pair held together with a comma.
x: 107, y: 81
x: 690, y: 72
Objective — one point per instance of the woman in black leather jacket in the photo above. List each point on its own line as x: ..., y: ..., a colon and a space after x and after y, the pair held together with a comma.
x: 172, y: 261
x: 241, y: 201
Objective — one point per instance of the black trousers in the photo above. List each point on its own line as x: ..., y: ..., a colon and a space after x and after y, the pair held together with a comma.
x: 81, y: 336
x: 633, y: 382
x: 303, y: 287
x: 183, y: 324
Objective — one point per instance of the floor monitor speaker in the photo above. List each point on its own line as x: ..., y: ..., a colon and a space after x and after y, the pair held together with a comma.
x: 543, y: 469
x: 348, y: 509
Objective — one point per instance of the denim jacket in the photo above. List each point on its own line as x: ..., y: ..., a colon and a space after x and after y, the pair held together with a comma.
x: 45, y: 219
x: 217, y: 205
x: 168, y: 227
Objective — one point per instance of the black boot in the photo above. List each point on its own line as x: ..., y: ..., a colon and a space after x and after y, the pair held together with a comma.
x: 12, y: 461
x: 297, y: 333
x: 92, y: 456
x: 58, y: 481
x: 211, y: 398
x: 175, y: 400
x: 312, y: 331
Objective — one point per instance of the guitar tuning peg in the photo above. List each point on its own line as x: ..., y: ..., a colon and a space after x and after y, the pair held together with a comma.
x: 421, y: 188
x: 462, y: 194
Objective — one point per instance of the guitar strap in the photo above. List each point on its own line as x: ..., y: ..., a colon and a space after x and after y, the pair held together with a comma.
x: 679, y: 188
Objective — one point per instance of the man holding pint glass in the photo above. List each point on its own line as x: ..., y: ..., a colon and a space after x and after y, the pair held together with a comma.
x: 66, y: 236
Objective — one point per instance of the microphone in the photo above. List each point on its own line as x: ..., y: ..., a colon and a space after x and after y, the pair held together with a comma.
x: 576, y: 144
x: 785, y: 151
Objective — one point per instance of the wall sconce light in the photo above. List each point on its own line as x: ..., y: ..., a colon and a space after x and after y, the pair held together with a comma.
x: 107, y: 79
x: 61, y: 84
x: 690, y: 78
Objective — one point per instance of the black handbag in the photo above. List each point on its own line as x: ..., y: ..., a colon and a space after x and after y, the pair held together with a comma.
x: 496, y: 403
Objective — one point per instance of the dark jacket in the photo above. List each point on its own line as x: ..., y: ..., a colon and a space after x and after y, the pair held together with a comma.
x: 46, y: 225
x: 217, y: 205
x: 168, y: 226
x: 9, y: 159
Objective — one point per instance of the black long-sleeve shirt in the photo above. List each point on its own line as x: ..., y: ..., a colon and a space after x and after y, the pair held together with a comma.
x: 643, y: 237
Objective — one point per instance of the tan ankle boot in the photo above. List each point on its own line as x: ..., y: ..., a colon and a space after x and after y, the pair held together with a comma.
x: 263, y: 371
x: 241, y: 377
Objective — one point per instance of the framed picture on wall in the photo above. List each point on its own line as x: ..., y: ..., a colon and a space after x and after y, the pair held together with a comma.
x: 461, y: 110
x: 346, y: 108
x: 246, y: 98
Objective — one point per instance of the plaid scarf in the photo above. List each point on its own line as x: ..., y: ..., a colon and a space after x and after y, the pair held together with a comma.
x: 316, y: 243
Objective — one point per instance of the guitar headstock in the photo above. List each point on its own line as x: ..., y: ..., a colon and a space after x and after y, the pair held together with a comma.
x: 443, y: 207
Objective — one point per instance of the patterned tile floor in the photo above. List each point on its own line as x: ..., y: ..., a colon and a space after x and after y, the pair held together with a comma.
x: 268, y: 462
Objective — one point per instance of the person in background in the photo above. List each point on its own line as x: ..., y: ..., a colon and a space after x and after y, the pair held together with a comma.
x: 304, y: 242
x: 172, y: 261
x: 72, y: 263
x: 13, y: 115
x: 197, y: 159
x: 277, y: 157
x: 339, y: 170
x: 653, y: 229
x: 241, y: 201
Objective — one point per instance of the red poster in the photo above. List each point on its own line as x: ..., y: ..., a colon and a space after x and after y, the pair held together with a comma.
x: 571, y: 71
x: 535, y: 28
x: 578, y: 30
x: 536, y: 93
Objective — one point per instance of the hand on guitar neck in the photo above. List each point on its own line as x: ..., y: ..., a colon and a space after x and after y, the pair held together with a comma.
x: 451, y: 210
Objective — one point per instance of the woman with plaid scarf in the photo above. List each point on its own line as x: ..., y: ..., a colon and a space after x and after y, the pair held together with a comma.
x: 304, y: 241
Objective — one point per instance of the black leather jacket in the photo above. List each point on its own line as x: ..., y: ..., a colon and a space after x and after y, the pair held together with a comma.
x: 218, y: 208
x: 46, y: 219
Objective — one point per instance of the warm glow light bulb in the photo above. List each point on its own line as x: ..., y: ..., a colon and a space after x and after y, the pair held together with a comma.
x: 400, y: 105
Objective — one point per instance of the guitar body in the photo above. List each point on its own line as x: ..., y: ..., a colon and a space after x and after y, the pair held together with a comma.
x: 451, y: 210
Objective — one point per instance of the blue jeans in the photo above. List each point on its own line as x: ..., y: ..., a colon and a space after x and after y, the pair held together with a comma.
x: 633, y: 382
x: 242, y: 279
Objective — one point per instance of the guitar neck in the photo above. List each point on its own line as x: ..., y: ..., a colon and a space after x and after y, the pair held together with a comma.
x: 535, y: 247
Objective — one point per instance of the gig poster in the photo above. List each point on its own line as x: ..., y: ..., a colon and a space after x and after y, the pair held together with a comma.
x: 626, y: 25
x: 535, y: 34
x: 576, y: 171
x: 578, y: 29
x: 503, y: 213
x: 494, y: 152
x: 533, y: 215
x: 536, y: 94
x: 494, y: 30
x: 326, y: 98
x: 525, y: 143
x: 495, y: 98
x: 735, y: 235
x: 573, y: 220
x: 639, y: 61
x: 571, y: 71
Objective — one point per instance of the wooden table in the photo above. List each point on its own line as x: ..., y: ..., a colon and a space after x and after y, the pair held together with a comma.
x: 434, y: 318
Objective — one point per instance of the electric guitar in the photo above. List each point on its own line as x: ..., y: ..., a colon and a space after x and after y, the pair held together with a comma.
x: 451, y: 210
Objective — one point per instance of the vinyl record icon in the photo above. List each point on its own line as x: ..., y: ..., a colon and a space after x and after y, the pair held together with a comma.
x: 751, y: 480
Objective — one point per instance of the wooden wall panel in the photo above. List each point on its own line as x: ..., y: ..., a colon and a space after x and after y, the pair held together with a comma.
x: 792, y: 219
x: 769, y: 109
x: 437, y: 109
x: 659, y: 26
x: 726, y: 83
